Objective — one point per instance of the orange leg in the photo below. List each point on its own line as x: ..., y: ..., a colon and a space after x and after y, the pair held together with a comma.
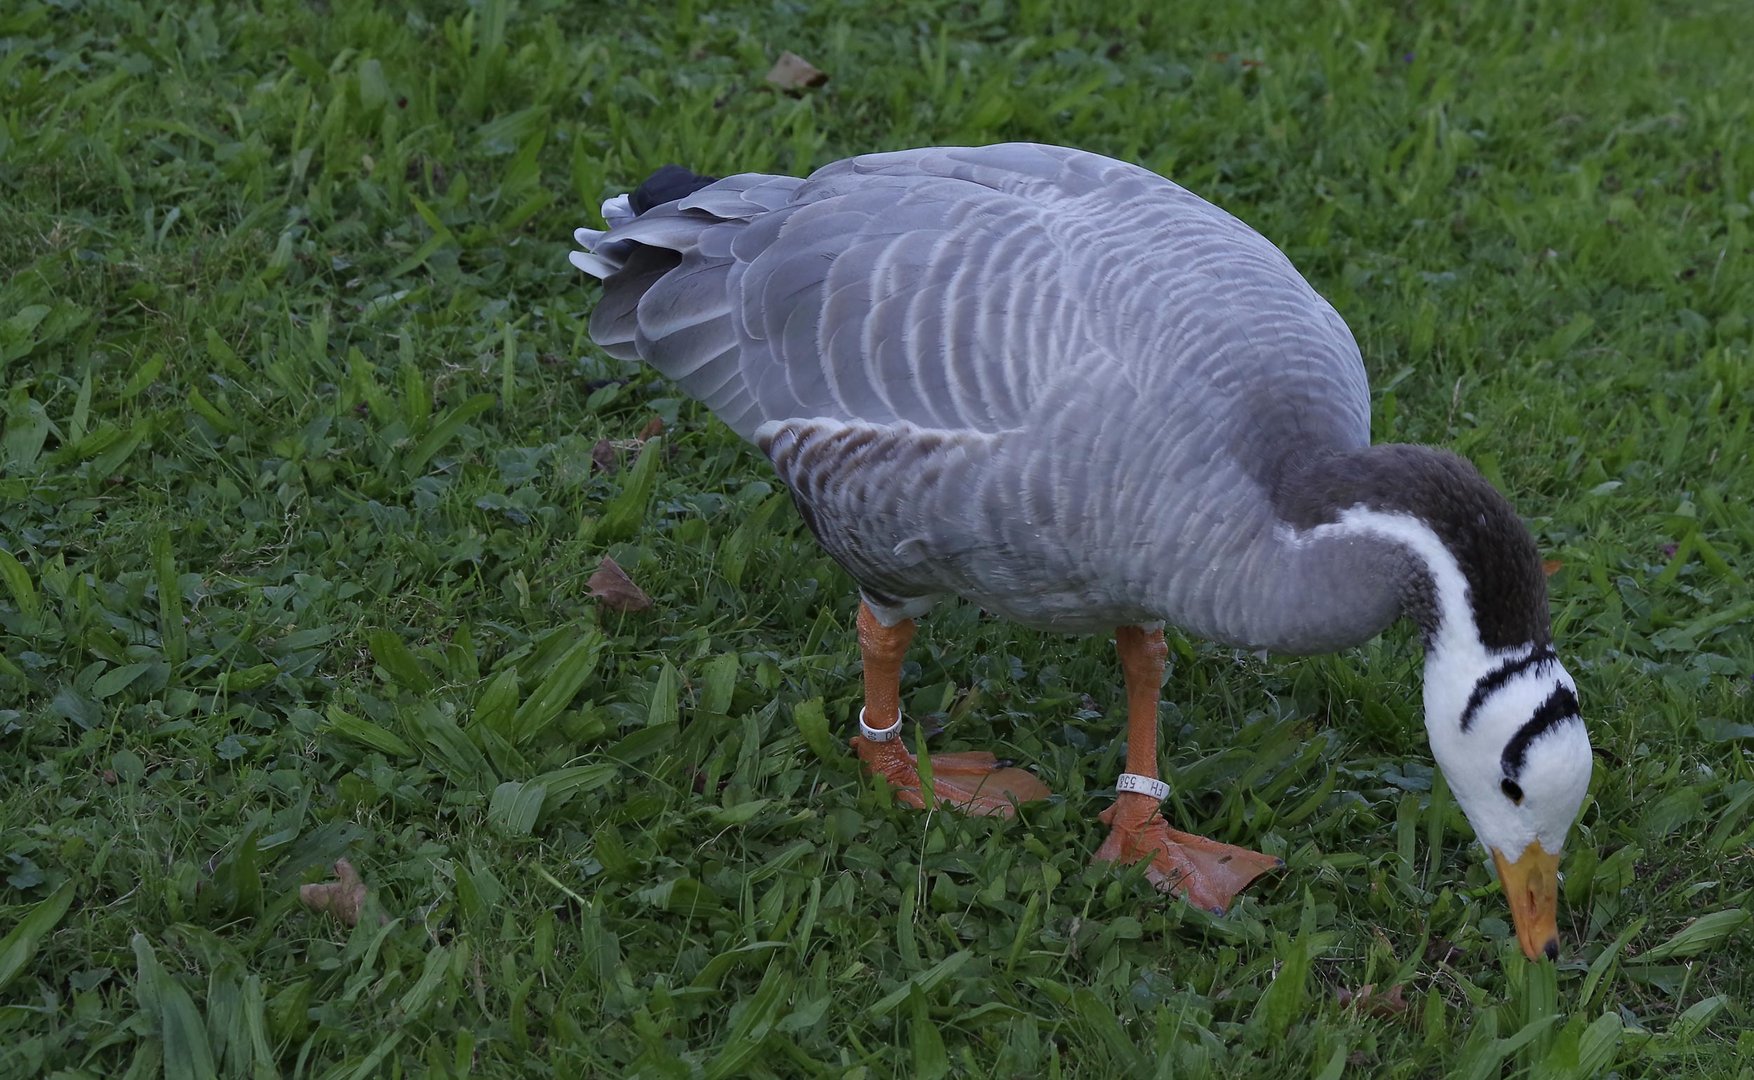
x: 974, y: 783
x: 1208, y: 873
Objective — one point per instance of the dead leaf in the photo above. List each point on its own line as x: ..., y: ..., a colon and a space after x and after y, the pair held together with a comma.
x: 793, y: 73
x: 611, y: 585
x: 1552, y: 566
x: 343, y: 898
x: 1384, y: 1005
x: 1443, y: 951
x: 1242, y: 61
x: 606, y: 457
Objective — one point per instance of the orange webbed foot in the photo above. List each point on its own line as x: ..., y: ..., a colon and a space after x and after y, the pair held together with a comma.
x: 973, y: 782
x: 1208, y: 873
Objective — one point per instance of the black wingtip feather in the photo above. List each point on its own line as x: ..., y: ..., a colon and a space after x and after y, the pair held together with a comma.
x: 668, y: 184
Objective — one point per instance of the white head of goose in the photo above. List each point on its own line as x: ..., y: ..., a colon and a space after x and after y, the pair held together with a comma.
x: 1068, y: 390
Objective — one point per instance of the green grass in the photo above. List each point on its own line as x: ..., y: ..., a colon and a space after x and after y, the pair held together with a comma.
x: 297, y: 487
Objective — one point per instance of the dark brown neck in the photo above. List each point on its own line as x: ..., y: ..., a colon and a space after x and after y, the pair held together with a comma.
x: 1507, y: 588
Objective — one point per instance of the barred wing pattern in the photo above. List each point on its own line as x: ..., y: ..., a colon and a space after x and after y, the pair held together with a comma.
x: 1032, y: 376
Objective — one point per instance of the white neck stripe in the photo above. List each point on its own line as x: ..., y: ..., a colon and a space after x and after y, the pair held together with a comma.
x: 1456, y: 633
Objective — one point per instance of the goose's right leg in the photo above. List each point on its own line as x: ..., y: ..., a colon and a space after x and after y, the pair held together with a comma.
x: 1208, y: 873
x: 973, y: 783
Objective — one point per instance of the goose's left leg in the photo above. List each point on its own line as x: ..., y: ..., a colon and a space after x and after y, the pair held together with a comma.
x: 974, y: 782
x: 1208, y: 873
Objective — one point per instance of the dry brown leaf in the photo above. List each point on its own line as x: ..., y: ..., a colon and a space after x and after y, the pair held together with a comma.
x: 611, y: 585
x: 1443, y: 951
x: 606, y: 457
x: 793, y: 73
x: 1367, y: 999
x: 1242, y: 61
x: 1552, y: 566
x: 343, y: 898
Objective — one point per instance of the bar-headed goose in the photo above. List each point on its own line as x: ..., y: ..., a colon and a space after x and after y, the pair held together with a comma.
x: 1072, y: 392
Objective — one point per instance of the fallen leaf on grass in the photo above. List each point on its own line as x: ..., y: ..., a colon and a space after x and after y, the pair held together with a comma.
x: 1242, y: 61
x: 343, y: 898
x: 1552, y: 566
x: 1443, y: 951
x: 1367, y: 999
x: 606, y: 457
x: 793, y: 73
x: 611, y: 585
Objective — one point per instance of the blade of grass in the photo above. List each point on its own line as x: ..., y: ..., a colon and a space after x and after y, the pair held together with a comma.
x: 557, y: 689
x: 22, y: 942
x: 444, y: 431
x: 622, y: 517
x: 168, y: 1006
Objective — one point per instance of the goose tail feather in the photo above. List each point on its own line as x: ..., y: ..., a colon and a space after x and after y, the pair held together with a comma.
x: 600, y: 259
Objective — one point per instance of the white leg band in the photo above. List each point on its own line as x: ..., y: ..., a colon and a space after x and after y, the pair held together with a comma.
x: 893, y: 731
x: 1142, y: 785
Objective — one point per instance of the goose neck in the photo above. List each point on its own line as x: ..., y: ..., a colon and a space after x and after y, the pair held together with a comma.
x: 1473, y: 582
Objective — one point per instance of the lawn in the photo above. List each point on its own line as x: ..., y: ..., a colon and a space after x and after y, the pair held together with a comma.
x: 307, y: 464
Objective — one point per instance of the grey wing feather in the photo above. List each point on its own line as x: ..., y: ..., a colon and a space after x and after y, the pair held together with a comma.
x: 867, y: 292
x: 952, y: 288
x: 615, y: 319
x: 916, y: 338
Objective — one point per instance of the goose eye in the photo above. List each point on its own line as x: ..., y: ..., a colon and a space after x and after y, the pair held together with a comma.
x: 1512, y: 791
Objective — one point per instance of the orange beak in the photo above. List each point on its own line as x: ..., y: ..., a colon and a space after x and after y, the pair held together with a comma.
x: 1531, y: 884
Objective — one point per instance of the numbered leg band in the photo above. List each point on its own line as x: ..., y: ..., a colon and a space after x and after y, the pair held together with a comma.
x: 1142, y: 785
x: 893, y: 731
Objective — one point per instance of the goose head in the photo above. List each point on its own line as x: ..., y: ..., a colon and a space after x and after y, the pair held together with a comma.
x: 1507, y: 732
x: 1501, y: 711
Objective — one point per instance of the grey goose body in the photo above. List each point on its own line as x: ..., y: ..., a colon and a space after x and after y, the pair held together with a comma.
x: 1060, y: 386
x: 1067, y: 389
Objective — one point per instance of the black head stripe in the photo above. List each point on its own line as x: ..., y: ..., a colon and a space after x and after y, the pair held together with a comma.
x: 1560, y: 707
x: 1491, y: 681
